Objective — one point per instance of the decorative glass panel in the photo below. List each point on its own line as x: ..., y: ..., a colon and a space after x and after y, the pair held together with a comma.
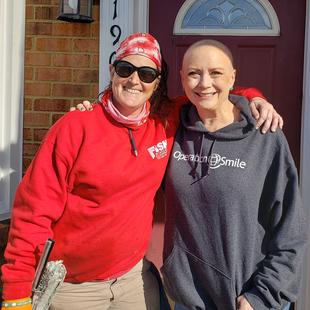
x: 237, y: 17
x: 218, y: 14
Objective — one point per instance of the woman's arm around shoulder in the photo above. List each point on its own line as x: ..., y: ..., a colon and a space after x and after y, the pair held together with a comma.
x: 262, y: 110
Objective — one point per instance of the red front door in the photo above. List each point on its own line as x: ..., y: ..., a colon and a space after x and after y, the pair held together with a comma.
x: 274, y: 65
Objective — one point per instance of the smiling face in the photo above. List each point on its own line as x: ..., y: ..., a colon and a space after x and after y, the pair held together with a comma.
x: 129, y: 94
x: 207, y: 76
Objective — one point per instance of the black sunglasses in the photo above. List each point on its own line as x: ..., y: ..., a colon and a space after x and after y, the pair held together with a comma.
x: 125, y: 69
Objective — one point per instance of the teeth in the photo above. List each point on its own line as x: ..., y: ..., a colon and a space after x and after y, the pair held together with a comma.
x: 206, y: 95
x: 133, y: 91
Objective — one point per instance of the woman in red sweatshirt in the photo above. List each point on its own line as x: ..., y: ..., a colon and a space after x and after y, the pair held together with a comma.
x: 91, y: 188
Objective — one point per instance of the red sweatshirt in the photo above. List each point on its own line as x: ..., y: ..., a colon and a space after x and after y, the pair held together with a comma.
x: 87, y: 190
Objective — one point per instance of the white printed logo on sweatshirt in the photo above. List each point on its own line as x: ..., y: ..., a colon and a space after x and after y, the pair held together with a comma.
x: 215, y: 162
x: 159, y: 150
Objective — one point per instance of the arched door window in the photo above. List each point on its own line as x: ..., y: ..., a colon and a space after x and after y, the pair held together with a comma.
x: 227, y: 17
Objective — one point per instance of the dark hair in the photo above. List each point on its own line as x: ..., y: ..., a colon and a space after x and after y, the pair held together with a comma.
x: 160, y: 102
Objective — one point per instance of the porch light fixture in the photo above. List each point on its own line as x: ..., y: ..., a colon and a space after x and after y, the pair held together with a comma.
x: 75, y: 11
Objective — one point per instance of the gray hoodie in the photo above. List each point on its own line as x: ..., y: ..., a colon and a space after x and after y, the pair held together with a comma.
x: 234, y: 219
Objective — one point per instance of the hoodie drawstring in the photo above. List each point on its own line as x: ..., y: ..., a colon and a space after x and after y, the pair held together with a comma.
x: 200, y: 152
x: 208, y: 158
x: 132, y: 142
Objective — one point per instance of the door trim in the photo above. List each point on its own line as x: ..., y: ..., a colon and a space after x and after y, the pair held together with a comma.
x: 303, y: 301
x: 274, y: 31
x: 12, y: 51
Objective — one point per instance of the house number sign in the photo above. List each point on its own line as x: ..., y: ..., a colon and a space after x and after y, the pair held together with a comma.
x: 115, y: 31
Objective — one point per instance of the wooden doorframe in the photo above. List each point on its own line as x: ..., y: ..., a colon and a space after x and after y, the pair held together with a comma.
x: 304, y: 298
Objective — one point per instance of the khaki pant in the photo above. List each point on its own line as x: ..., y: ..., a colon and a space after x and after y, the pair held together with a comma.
x: 136, y: 290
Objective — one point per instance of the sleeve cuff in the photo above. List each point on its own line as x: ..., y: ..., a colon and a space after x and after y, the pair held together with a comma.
x: 16, y: 290
x: 256, y: 299
x: 249, y: 93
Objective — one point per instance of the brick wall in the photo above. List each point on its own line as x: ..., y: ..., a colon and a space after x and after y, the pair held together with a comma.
x: 61, y: 69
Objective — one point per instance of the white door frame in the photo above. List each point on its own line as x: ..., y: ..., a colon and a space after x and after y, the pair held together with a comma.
x: 12, y: 50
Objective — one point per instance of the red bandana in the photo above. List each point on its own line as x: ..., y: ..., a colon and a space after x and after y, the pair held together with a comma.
x: 140, y: 44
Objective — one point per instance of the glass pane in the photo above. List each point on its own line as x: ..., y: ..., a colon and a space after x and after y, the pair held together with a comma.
x: 70, y: 6
x: 226, y: 14
x: 85, y: 6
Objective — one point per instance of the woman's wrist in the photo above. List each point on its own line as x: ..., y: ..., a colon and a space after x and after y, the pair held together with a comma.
x: 23, y: 303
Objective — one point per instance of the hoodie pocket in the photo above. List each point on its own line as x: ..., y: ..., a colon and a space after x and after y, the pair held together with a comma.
x: 196, y: 284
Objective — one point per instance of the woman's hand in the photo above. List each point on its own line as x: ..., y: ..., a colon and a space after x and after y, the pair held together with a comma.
x: 243, y: 304
x: 265, y: 114
x: 86, y: 105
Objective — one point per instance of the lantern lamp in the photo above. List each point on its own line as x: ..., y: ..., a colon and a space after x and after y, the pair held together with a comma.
x: 75, y: 11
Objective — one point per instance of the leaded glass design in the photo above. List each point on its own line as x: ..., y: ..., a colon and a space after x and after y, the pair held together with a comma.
x: 226, y: 14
